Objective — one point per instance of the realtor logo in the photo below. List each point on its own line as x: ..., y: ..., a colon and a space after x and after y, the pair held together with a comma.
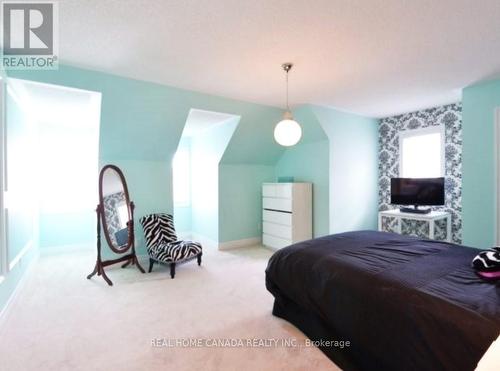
x: 29, y: 35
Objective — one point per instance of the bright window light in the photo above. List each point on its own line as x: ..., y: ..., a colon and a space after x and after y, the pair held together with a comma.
x: 422, y: 153
x: 181, y: 168
x: 123, y: 215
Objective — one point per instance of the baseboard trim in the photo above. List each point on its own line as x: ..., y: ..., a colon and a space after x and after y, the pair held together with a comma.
x: 66, y: 249
x: 20, y: 284
x: 20, y: 255
x: 204, y: 240
x: 235, y: 244
x: 212, y: 244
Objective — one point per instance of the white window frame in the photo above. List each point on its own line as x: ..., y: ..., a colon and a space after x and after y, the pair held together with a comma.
x: 418, y: 132
x: 496, y: 172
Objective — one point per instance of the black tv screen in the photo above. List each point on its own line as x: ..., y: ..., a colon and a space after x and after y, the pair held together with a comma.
x: 417, y: 191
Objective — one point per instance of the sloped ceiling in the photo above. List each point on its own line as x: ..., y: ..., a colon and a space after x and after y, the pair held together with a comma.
x: 199, y: 121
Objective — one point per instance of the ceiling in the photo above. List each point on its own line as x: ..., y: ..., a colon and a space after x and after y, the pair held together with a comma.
x: 200, y: 120
x: 372, y: 57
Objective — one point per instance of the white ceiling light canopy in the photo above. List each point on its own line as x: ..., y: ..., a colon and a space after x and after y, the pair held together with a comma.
x: 287, y: 132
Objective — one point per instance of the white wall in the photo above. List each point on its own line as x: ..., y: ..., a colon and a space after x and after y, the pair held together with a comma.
x: 207, y: 149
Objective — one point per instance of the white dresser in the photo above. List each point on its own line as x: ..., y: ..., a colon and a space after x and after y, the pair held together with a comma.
x: 286, y: 213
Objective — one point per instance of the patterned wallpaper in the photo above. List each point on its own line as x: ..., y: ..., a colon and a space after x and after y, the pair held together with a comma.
x: 451, y: 117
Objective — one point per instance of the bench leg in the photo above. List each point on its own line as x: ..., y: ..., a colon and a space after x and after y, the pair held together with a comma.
x: 199, y: 259
x: 151, y: 262
x: 172, y: 270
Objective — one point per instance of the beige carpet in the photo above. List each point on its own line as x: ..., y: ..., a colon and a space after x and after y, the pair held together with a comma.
x: 61, y: 321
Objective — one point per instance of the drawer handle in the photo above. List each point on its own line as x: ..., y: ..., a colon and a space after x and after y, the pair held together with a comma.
x: 279, y: 211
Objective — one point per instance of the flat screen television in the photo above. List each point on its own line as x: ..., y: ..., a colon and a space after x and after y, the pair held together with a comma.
x: 417, y: 192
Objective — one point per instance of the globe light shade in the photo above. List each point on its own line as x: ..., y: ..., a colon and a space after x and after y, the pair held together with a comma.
x: 287, y: 132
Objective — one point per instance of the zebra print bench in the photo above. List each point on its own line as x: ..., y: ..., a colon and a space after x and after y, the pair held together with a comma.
x: 162, y: 243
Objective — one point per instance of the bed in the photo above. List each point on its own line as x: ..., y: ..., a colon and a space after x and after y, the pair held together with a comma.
x: 401, y: 302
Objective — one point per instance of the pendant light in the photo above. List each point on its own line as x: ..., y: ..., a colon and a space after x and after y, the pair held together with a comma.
x: 287, y: 132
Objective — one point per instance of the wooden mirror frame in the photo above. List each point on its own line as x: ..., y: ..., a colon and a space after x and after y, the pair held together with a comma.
x: 130, y: 223
x: 130, y: 258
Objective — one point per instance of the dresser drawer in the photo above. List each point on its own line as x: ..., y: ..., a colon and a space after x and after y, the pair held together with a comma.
x: 277, y: 203
x: 268, y: 190
x: 277, y: 217
x: 277, y: 230
x: 277, y: 190
x: 275, y: 242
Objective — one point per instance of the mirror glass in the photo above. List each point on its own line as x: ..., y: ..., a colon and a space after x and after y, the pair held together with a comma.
x: 115, y: 208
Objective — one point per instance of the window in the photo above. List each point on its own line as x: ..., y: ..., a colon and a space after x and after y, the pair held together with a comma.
x: 422, y: 153
x: 181, y: 168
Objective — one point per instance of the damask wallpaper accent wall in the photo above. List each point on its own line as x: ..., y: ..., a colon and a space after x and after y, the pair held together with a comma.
x: 111, y: 204
x: 450, y: 116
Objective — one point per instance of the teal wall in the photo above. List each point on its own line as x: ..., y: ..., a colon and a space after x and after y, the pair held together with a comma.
x: 68, y: 228
x: 309, y: 162
x: 182, y: 220
x: 150, y: 188
x: 240, y: 200
x: 478, y: 167
x: 353, y: 169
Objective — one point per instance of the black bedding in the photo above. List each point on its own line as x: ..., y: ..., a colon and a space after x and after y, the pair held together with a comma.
x: 403, y: 303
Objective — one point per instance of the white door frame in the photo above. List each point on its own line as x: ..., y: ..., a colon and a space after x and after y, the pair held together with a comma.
x: 496, y: 171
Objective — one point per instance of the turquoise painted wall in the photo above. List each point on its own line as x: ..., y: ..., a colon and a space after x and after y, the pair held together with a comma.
x: 182, y: 220
x: 241, y: 186
x: 240, y: 196
x: 69, y: 228
x: 309, y: 162
x: 150, y: 188
x: 478, y: 167
x: 353, y: 169
x: 207, y: 149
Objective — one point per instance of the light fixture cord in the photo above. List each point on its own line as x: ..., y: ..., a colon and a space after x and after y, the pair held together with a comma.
x: 287, y: 107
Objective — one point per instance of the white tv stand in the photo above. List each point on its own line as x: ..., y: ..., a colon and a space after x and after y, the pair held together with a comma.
x: 430, y: 218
